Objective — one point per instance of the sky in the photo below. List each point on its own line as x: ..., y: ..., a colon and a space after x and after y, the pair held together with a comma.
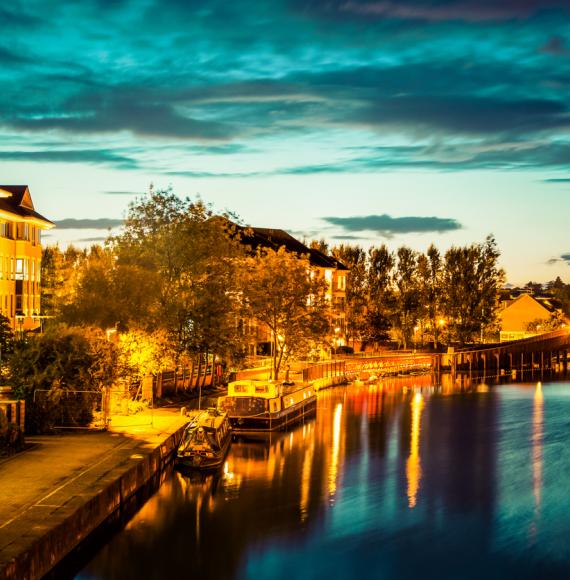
x: 358, y: 121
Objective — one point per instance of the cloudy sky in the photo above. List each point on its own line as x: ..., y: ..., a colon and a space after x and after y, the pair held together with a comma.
x: 366, y: 121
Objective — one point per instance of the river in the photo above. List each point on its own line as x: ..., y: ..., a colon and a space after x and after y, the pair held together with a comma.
x: 396, y: 480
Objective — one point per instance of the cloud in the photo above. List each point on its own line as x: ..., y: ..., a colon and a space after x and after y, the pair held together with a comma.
x: 431, y: 10
x: 13, y: 17
x: 557, y: 180
x: 95, y: 156
x: 467, y: 115
x: 94, y: 239
x: 8, y: 57
x: 564, y: 258
x: 88, y: 224
x: 112, y: 110
x: 387, y: 226
x: 349, y: 237
x: 273, y: 79
x: 110, y: 192
x: 555, y: 45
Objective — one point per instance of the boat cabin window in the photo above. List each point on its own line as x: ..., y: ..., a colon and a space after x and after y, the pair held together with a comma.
x: 240, y: 388
x: 245, y: 406
x: 261, y: 388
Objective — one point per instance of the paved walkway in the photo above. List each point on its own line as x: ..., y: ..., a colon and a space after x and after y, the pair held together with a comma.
x: 58, y: 471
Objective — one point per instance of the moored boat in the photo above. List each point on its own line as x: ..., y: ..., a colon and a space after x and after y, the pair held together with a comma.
x: 258, y: 406
x: 205, y: 441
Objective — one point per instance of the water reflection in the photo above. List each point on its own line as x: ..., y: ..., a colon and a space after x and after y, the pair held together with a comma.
x: 405, y: 478
x: 413, y: 466
x: 537, y: 442
x: 335, y: 450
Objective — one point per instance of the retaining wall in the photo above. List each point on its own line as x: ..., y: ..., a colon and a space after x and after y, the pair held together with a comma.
x: 73, y: 523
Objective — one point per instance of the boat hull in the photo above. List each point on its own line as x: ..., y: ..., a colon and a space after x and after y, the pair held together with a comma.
x: 274, y: 421
x: 201, y: 461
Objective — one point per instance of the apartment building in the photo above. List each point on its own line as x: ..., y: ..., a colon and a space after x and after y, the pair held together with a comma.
x: 20, y: 257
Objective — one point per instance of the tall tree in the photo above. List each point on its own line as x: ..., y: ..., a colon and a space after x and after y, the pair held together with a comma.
x: 189, y: 254
x: 380, y: 294
x: 354, y: 257
x: 471, y: 283
x: 59, y: 277
x: 280, y: 290
x: 407, y: 294
x: 429, y: 280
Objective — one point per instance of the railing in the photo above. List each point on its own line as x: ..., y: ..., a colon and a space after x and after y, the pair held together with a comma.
x: 324, y: 370
x: 539, y: 340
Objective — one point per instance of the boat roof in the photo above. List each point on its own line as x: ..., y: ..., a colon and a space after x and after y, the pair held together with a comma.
x: 207, y: 419
x: 263, y: 389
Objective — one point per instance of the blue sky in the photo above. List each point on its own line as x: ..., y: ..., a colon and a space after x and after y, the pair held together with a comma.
x: 362, y: 121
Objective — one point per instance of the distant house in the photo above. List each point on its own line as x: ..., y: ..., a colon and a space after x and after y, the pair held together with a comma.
x: 516, y: 316
x: 20, y: 256
x: 330, y: 269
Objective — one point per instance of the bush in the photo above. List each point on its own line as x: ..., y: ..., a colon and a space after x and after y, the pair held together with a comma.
x: 11, y: 437
x: 49, y: 371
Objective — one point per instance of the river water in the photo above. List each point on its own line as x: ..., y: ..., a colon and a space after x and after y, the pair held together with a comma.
x: 396, y: 480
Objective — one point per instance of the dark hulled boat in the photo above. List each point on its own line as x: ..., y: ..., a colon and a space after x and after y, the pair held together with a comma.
x: 205, y: 441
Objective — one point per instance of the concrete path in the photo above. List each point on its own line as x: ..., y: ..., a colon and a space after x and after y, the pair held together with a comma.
x: 44, y: 484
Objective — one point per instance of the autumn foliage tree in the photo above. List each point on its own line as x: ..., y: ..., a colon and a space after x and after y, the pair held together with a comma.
x: 280, y: 290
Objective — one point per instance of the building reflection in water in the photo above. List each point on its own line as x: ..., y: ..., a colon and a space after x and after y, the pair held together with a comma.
x: 413, y: 465
x: 335, y: 450
x: 537, y: 460
x: 537, y: 436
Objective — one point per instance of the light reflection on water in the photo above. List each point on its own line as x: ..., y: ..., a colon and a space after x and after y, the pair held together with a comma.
x: 395, y: 480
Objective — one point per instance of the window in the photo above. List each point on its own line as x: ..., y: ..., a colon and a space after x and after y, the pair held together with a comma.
x: 6, y: 230
x: 19, y: 269
x: 341, y: 282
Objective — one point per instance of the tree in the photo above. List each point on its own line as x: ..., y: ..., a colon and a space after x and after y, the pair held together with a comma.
x: 554, y: 322
x: 280, y: 290
x: 354, y: 258
x: 6, y: 338
x: 320, y: 245
x: 407, y: 293
x: 429, y: 280
x: 471, y: 283
x: 185, y: 257
x: 380, y: 294
x: 59, y: 278
x: 561, y: 294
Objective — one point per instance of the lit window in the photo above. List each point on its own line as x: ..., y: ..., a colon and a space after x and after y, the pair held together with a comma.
x: 19, y: 269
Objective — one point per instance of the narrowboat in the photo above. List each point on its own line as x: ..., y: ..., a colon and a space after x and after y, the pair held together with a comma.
x: 260, y: 406
x: 205, y: 441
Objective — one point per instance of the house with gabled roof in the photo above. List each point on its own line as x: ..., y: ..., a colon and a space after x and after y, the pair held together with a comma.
x: 20, y: 257
x: 525, y: 316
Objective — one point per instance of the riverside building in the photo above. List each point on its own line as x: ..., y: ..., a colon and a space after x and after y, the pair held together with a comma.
x: 20, y: 257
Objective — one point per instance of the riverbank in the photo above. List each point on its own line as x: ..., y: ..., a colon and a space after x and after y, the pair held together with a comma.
x: 64, y: 486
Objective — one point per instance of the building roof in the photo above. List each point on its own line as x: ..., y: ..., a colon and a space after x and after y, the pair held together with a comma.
x: 517, y: 314
x: 275, y: 239
x: 19, y: 202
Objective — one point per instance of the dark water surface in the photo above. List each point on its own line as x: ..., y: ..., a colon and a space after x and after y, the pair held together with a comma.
x: 457, y: 481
